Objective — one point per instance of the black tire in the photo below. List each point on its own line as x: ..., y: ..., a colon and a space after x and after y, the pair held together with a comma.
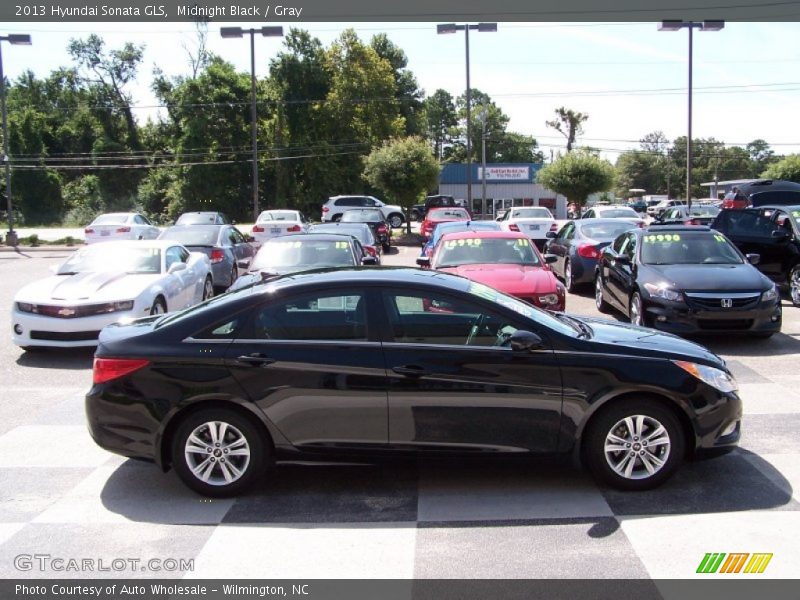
x: 336, y: 218
x: 386, y: 247
x: 568, y: 283
x: 159, y: 306
x: 415, y: 215
x: 395, y: 220
x: 251, y: 467
x: 640, y: 320
x: 794, y: 285
x: 611, y: 420
x: 599, y: 302
x: 208, y: 289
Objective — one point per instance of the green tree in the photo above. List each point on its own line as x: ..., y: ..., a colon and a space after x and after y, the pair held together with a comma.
x: 568, y: 123
x: 403, y: 169
x: 761, y: 156
x: 407, y: 92
x: 576, y: 175
x: 787, y: 169
x: 440, y: 119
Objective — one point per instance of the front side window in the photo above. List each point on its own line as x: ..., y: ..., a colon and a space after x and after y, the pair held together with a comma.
x: 322, y: 316
x: 175, y: 254
x: 431, y: 318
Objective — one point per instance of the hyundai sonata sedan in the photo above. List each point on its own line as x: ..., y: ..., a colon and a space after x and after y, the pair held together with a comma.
x: 362, y: 363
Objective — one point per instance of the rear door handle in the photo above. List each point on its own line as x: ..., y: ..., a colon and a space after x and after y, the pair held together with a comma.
x: 411, y: 370
x: 256, y: 359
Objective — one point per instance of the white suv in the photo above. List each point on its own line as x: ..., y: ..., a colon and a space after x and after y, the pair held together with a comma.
x: 332, y: 210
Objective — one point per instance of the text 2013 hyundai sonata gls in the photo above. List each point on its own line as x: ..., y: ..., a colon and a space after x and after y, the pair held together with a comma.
x: 366, y: 362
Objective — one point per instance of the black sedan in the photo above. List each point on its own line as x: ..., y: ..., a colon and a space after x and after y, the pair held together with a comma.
x: 686, y: 280
x: 377, y: 223
x: 577, y: 248
x: 302, y: 252
x: 356, y: 364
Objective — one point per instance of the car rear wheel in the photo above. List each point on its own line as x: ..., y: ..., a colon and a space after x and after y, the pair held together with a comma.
x: 599, y: 301
x: 634, y: 445
x: 336, y: 218
x: 218, y: 452
x: 395, y: 220
x: 794, y: 285
x: 208, y: 288
x: 159, y: 306
x: 568, y: 283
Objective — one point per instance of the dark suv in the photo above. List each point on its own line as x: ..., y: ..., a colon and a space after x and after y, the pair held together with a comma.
x: 418, y: 211
x: 772, y: 232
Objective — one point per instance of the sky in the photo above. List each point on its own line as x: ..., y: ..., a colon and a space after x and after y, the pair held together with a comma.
x: 630, y: 78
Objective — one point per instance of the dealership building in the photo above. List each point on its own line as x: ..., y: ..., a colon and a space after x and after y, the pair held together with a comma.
x: 507, y: 185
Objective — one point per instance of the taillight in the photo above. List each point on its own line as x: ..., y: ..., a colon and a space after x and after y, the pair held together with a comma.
x: 123, y: 230
x: 641, y: 224
x: 294, y: 229
x: 588, y: 251
x: 88, y: 230
x: 217, y: 255
x: 371, y: 251
x: 693, y: 222
x: 513, y: 227
x: 382, y: 229
x: 106, y: 369
x: 325, y: 209
x: 257, y: 229
x: 554, y: 227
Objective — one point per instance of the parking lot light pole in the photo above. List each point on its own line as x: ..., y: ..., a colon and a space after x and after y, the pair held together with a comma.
x: 670, y: 25
x: 237, y: 32
x: 16, y: 39
x: 452, y: 28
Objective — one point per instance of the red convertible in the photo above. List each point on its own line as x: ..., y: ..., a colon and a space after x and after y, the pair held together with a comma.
x: 504, y: 260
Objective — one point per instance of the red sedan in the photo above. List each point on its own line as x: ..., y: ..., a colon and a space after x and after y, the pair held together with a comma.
x: 504, y: 260
x: 442, y: 215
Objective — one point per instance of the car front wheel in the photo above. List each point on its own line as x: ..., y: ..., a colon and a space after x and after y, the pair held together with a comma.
x: 599, y: 300
x: 218, y: 452
x: 794, y: 285
x: 395, y: 221
x: 636, y: 310
x: 634, y: 445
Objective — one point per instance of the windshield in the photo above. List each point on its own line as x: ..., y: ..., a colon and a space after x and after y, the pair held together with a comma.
x: 361, y: 232
x: 278, y: 215
x: 530, y: 213
x: 197, y: 219
x: 107, y: 257
x: 112, y: 219
x: 704, y: 210
x: 606, y: 231
x: 192, y: 236
x: 688, y: 249
x: 470, y: 251
x: 361, y: 216
x: 446, y: 228
x: 618, y: 213
x: 448, y: 214
x: 280, y: 255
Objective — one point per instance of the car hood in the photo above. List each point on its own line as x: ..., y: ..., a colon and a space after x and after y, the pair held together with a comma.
x: 707, y: 277
x: 86, y: 288
x: 617, y: 337
x: 512, y: 279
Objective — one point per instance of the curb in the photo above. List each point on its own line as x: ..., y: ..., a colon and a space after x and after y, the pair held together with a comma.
x: 28, y: 249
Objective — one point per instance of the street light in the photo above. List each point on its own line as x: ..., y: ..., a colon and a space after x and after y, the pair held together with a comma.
x: 484, y: 115
x: 237, y: 32
x: 673, y: 25
x: 22, y: 39
x: 481, y: 28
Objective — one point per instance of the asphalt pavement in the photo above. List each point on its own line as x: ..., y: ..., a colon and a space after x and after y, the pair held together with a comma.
x: 62, y: 495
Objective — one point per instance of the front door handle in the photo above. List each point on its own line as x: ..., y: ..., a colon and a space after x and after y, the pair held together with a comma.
x: 256, y: 359
x: 410, y: 370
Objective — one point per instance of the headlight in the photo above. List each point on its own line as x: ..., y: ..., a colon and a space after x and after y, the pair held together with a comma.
x: 24, y: 307
x: 112, y: 307
x: 716, y: 378
x: 662, y: 291
x: 770, y: 294
x: 548, y: 299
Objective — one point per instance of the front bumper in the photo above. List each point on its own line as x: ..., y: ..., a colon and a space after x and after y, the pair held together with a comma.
x: 680, y: 318
x: 719, y: 425
x: 30, y: 329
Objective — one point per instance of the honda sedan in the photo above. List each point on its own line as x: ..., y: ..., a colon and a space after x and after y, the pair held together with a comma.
x: 356, y: 364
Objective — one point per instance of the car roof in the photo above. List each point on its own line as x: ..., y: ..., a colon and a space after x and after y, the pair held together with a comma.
x: 395, y: 276
x: 601, y: 221
x: 463, y: 235
x: 299, y: 237
x: 684, y: 228
x: 785, y: 207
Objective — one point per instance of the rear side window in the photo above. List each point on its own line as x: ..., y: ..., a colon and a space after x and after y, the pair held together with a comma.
x: 325, y: 316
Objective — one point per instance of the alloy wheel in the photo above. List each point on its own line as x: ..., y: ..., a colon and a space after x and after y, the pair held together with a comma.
x: 794, y: 286
x: 637, y: 447
x: 217, y: 453
x: 636, y: 314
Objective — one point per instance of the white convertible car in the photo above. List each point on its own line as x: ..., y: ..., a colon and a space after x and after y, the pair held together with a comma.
x: 103, y: 283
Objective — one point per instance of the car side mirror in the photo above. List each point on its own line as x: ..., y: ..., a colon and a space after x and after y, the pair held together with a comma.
x: 424, y: 262
x: 550, y: 258
x: 524, y: 341
x: 175, y: 267
x: 249, y: 238
x: 369, y: 261
x: 753, y: 259
x: 551, y: 235
x: 780, y: 235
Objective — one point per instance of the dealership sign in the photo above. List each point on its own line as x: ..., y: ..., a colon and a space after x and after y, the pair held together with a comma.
x: 505, y: 173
